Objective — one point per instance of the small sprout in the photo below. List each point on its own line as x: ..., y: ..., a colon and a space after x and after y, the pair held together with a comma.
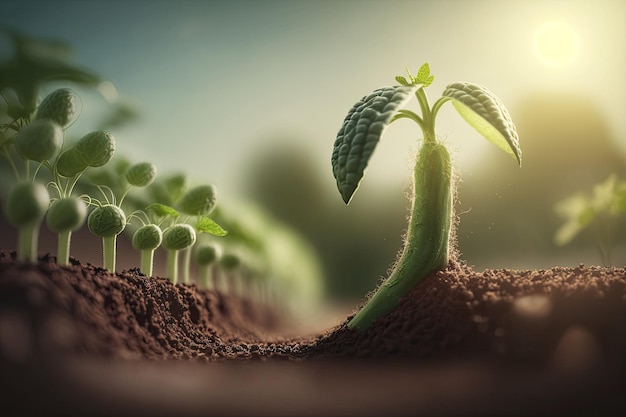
x: 26, y: 207
x: 65, y: 216
x: 146, y: 239
x: 207, y: 256
x: 427, y: 244
x: 141, y: 174
x: 96, y: 148
x: 107, y: 221
x: 58, y: 106
x: 199, y: 201
x: 40, y: 140
x: 176, y: 238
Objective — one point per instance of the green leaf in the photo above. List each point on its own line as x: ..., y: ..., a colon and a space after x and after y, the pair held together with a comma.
x: 402, y: 80
x: 360, y: 132
x: 207, y: 225
x: 161, y: 210
x: 423, y: 76
x: 485, y: 112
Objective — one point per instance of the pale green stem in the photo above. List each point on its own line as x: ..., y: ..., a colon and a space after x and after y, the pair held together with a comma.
x: 63, y: 247
x: 147, y: 258
x: 108, y: 252
x: 27, y: 240
x: 187, y: 266
x: 204, y: 273
x: 172, y: 265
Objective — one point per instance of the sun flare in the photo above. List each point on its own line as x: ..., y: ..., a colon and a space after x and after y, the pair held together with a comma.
x: 556, y: 44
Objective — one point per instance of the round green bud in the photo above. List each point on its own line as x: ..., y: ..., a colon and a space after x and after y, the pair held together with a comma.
x: 147, y: 237
x: 230, y: 261
x: 58, y: 106
x: 199, y: 201
x: 106, y: 221
x: 40, y: 140
x: 69, y: 163
x: 178, y: 237
x: 96, y: 148
x: 66, y: 214
x: 141, y: 174
x: 27, y: 203
x: 208, y: 254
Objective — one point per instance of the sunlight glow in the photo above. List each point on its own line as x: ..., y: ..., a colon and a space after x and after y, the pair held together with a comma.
x: 556, y: 44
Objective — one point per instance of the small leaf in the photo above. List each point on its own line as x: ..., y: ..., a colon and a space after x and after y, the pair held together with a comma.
x: 161, y: 210
x: 207, y: 225
x: 423, y: 75
x: 482, y: 110
x: 360, y: 132
x: 402, y: 80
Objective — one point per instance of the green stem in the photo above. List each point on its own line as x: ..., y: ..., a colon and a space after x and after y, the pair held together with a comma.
x: 108, y: 252
x: 427, y: 240
x: 147, y: 261
x: 63, y: 247
x: 27, y: 240
x: 204, y: 273
x: 187, y: 266
x: 172, y: 265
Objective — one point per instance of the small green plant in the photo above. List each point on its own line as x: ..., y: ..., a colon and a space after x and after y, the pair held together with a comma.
x: 198, y: 202
x: 207, y: 257
x: 108, y: 219
x: 597, y: 211
x: 427, y: 243
x: 176, y: 238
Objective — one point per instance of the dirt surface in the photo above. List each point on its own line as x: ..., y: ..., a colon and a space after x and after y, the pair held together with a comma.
x: 79, y: 340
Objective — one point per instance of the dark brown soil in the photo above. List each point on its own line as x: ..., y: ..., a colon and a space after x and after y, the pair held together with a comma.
x: 79, y: 340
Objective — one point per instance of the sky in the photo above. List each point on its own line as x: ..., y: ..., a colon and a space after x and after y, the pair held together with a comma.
x: 217, y: 82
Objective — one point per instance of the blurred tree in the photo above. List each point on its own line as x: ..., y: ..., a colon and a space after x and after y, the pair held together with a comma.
x: 357, y: 246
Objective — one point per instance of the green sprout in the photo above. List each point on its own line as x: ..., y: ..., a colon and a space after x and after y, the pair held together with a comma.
x: 198, y: 202
x: 108, y: 219
x: 149, y: 236
x: 176, y: 238
x: 597, y: 211
x: 207, y: 257
x: 427, y: 243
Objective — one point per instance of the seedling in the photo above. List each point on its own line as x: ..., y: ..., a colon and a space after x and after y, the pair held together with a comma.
x: 598, y: 212
x: 427, y: 242
x: 176, y: 238
x: 108, y: 219
x: 198, y: 202
x: 207, y: 257
x: 149, y: 236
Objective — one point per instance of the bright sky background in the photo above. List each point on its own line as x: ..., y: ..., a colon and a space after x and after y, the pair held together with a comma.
x: 217, y: 80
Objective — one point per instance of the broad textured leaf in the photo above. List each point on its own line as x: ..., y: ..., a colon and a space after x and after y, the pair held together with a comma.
x: 360, y: 132
x: 486, y: 113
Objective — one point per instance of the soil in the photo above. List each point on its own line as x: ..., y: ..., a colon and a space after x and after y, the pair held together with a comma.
x: 78, y: 340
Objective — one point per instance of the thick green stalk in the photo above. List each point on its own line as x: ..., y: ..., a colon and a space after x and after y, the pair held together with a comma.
x: 108, y: 252
x: 427, y: 240
x: 147, y: 261
x: 172, y: 265
x: 63, y: 247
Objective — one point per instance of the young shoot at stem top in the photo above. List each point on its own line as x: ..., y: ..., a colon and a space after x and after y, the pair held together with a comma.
x: 427, y: 244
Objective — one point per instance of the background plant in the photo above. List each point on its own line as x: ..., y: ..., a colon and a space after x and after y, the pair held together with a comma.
x: 427, y: 243
x: 597, y: 211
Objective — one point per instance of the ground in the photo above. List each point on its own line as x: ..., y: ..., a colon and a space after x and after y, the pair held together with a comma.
x: 78, y: 340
